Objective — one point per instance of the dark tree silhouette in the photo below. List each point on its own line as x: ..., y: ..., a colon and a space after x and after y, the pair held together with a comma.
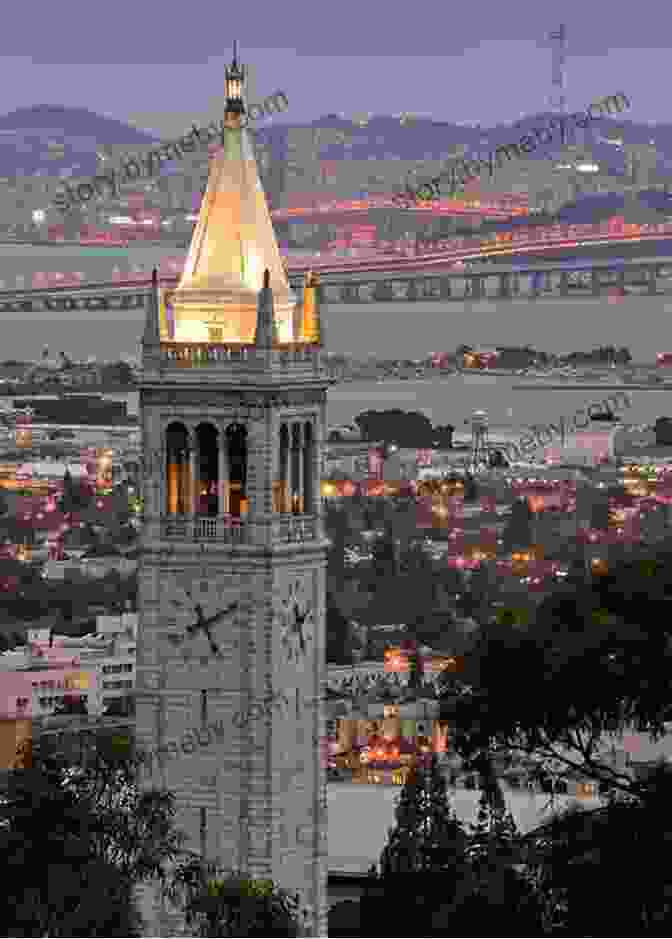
x: 232, y: 904
x: 60, y: 829
x: 517, y: 533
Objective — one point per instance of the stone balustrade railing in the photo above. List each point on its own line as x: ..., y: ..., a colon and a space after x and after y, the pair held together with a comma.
x: 205, y: 354
x: 232, y: 530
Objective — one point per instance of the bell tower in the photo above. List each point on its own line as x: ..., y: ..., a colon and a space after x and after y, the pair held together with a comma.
x: 231, y: 645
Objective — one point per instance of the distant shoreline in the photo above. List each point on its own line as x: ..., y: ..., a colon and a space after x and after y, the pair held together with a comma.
x: 626, y: 386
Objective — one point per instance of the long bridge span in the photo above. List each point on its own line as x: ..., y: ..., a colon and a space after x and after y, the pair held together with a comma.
x: 384, y: 284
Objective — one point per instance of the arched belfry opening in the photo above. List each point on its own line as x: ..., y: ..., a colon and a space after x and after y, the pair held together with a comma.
x: 281, y: 484
x: 207, y: 470
x: 178, y: 476
x: 296, y: 467
x: 308, y: 470
x: 294, y: 486
x: 236, y: 447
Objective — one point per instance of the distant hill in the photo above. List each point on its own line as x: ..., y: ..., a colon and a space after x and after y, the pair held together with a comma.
x: 421, y: 137
x: 30, y: 139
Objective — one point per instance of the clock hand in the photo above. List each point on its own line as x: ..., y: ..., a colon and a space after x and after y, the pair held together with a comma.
x: 300, y: 622
x: 205, y: 623
x: 222, y: 613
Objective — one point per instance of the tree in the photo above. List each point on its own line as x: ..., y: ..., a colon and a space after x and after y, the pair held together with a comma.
x: 517, y: 533
x: 336, y: 527
x: 596, y: 662
x: 494, y: 836
x: 470, y: 488
x: 443, y: 436
x: 74, y: 841
x: 427, y: 835
x: 577, y: 858
x: 424, y: 859
x: 385, y: 555
x: 233, y: 905
x: 403, y: 428
x: 75, y: 497
x: 663, y: 429
x: 339, y: 645
x: 502, y: 899
x: 121, y: 707
x: 71, y: 704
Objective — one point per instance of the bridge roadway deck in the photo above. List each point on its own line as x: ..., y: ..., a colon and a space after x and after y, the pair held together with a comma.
x: 539, y: 280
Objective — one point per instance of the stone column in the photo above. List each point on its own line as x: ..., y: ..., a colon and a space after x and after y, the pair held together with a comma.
x: 280, y: 466
x: 223, y: 473
x: 445, y: 288
x: 308, y: 467
x: 160, y: 490
x: 564, y: 283
x: 651, y: 287
x: 297, y: 468
x: 320, y: 466
x: 261, y: 445
x: 595, y: 282
x: 193, y: 481
x: 504, y: 286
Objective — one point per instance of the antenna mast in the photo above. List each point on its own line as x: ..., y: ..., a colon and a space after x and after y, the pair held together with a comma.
x: 557, y: 99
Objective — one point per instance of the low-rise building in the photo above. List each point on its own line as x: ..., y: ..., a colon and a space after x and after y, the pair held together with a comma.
x: 37, y: 678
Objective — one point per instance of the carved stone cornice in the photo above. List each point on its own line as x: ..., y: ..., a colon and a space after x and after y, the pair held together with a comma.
x: 253, y: 405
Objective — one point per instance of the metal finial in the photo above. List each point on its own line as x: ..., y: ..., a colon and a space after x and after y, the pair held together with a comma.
x: 235, y: 52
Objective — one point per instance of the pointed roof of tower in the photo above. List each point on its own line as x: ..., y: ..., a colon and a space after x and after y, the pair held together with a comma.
x: 151, y: 335
x: 233, y: 242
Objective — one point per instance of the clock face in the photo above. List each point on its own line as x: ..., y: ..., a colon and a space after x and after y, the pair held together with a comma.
x: 194, y: 612
x: 296, y: 619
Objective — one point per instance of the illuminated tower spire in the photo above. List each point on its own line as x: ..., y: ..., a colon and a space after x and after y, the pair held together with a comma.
x: 235, y: 79
x: 233, y: 242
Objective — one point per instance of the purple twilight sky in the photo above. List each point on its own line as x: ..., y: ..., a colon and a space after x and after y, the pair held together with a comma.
x: 160, y: 65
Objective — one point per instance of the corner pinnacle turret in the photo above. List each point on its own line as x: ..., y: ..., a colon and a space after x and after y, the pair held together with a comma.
x: 267, y: 334
x: 152, y: 336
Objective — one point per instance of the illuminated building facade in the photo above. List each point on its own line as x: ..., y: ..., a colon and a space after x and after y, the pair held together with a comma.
x: 384, y: 750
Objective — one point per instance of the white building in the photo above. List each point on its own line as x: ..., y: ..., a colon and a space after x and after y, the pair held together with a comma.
x: 598, y: 444
x: 50, y: 667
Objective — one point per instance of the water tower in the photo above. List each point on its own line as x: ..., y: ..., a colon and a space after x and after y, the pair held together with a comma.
x: 480, y: 446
